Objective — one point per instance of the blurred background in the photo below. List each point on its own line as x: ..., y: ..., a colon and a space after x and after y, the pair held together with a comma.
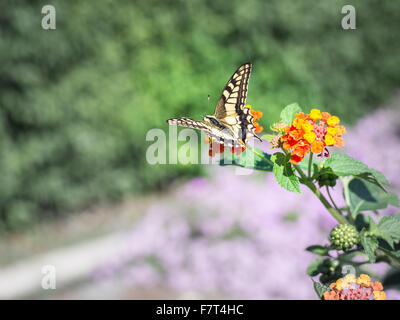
x: 76, y: 103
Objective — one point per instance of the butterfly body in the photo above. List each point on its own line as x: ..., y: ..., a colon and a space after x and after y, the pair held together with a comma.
x: 232, y: 122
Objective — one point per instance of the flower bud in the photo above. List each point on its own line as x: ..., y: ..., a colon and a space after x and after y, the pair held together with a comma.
x: 344, y: 237
x: 327, y: 178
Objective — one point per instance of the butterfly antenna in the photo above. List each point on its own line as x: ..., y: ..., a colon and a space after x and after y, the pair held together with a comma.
x: 208, y: 104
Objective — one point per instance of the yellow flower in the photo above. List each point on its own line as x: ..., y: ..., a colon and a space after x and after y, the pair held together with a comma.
x: 340, y: 284
x: 364, y: 276
x: 307, y: 127
x: 310, y: 137
x: 333, y: 121
x: 379, y: 295
x: 315, y: 114
x: 332, y: 131
x: 340, y: 130
x: 350, y: 278
x: 363, y: 280
x: 329, y: 140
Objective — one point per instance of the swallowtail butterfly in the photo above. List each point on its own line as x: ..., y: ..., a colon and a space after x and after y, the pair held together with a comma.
x: 232, y: 122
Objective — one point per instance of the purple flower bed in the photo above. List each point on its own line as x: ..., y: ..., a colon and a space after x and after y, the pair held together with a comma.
x: 244, y: 236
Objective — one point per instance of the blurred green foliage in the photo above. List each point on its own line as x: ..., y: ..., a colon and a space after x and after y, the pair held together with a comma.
x: 76, y: 102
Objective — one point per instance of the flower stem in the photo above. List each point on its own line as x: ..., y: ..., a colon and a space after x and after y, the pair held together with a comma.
x: 320, y: 196
x: 330, y: 197
x: 260, y: 155
x: 309, y: 164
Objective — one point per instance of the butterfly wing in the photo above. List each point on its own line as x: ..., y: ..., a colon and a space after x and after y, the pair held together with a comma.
x: 219, y: 134
x: 231, y: 110
x: 190, y: 123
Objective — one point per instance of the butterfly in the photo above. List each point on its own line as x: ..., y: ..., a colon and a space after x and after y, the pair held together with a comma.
x: 232, y: 123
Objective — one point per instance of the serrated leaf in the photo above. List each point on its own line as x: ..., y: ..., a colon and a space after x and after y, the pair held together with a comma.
x: 367, y: 196
x: 318, y: 249
x: 388, y: 239
x: 379, y: 176
x: 287, y: 114
x: 320, y: 289
x: 372, y: 227
x: 249, y: 160
x: 388, y: 229
x: 284, y: 173
x: 343, y: 165
x: 370, y: 244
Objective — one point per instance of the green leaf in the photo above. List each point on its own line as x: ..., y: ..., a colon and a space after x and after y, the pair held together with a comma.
x: 361, y: 221
x: 372, y: 227
x: 388, y: 229
x: 343, y: 165
x: 318, y: 249
x: 287, y: 114
x: 284, y: 173
x: 320, y: 289
x: 377, y: 175
x: 249, y: 160
x: 367, y: 196
x: 315, y: 266
x: 370, y: 244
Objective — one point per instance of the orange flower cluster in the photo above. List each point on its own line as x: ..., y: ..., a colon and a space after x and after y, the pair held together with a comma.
x: 314, y: 131
x: 352, y: 288
x: 216, y: 147
x: 257, y: 115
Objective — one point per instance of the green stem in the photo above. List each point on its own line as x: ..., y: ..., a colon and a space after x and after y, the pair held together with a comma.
x: 356, y: 209
x: 345, y: 183
x: 309, y: 164
x: 311, y: 186
x: 260, y: 155
x: 330, y: 197
x: 320, y: 196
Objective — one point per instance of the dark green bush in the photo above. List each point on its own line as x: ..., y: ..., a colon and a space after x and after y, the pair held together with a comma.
x: 76, y: 102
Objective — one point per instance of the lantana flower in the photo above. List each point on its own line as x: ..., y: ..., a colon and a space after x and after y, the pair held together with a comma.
x: 217, y: 147
x: 312, y: 132
x: 257, y: 115
x: 352, y: 288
